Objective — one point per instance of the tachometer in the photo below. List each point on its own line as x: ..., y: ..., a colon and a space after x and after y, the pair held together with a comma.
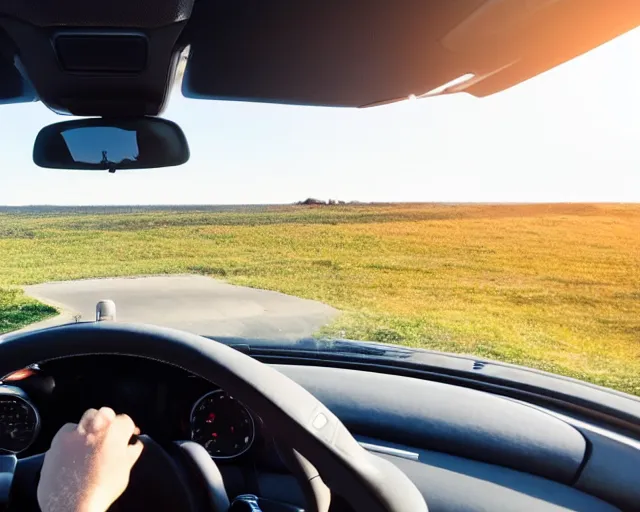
x: 19, y: 421
x: 222, y: 425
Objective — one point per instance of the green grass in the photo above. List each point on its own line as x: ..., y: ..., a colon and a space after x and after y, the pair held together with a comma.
x: 555, y: 287
x: 17, y: 311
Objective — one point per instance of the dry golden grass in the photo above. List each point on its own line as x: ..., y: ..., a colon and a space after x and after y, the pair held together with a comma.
x: 555, y: 287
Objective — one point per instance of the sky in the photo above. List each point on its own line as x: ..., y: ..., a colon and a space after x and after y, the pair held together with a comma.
x: 571, y: 134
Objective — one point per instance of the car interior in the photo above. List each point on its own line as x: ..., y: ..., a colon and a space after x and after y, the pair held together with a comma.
x: 375, y: 429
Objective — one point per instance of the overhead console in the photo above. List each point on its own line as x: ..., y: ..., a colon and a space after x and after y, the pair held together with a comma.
x: 113, y: 59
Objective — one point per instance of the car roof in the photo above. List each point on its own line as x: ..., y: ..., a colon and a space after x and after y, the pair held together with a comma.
x: 119, y: 58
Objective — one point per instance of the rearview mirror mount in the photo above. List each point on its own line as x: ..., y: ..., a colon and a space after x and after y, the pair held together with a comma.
x: 100, y: 144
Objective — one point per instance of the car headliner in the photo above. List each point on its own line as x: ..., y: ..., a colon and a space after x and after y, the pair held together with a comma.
x: 119, y: 58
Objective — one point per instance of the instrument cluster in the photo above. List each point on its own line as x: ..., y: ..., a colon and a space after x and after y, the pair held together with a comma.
x: 165, y: 402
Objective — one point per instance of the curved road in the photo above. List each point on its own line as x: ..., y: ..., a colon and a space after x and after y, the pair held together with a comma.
x: 192, y: 303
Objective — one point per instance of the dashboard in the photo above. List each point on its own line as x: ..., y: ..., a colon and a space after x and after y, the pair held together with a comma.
x: 166, y: 403
x: 464, y: 449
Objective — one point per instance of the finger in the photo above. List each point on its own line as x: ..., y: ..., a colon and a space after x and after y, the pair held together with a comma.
x: 108, y: 413
x: 134, y: 451
x: 86, y: 420
x: 105, y: 417
x: 123, y: 427
x: 99, y: 420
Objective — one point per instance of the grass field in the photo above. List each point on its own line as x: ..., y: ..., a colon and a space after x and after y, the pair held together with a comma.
x: 555, y: 287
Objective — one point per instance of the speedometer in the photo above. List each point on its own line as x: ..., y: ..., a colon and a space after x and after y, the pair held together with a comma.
x: 222, y: 425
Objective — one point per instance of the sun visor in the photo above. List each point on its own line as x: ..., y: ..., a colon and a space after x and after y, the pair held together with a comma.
x: 320, y: 52
x: 362, y: 53
x: 555, y: 32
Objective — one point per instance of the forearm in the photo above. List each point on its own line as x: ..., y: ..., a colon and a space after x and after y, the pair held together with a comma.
x: 70, y: 495
x: 67, y: 502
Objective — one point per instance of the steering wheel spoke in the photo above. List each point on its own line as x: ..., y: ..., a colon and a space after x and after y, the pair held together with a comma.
x: 8, y: 465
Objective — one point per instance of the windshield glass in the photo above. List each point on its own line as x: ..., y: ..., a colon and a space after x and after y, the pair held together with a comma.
x: 506, y: 227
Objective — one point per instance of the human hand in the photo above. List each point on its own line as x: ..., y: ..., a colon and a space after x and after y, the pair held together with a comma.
x: 88, y: 465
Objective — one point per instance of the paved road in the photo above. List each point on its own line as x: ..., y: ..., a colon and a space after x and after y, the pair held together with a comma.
x: 191, y: 303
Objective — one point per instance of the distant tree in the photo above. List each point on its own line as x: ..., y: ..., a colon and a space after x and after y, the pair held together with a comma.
x: 311, y: 201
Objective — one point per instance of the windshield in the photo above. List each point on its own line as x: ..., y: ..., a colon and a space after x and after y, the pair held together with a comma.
x: 506, y: 227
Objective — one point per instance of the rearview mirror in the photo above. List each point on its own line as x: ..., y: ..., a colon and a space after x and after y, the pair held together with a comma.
x: 111, y: 144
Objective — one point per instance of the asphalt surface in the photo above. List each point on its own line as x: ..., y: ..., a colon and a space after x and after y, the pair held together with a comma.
x: 191, y: 303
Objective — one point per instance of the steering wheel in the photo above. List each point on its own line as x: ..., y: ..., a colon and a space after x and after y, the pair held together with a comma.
x: 315, y: 436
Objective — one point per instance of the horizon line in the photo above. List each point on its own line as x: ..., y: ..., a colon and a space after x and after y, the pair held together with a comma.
x: 348, y: 203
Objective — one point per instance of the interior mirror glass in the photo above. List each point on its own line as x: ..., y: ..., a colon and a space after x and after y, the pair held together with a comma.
x: 111, y: 144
